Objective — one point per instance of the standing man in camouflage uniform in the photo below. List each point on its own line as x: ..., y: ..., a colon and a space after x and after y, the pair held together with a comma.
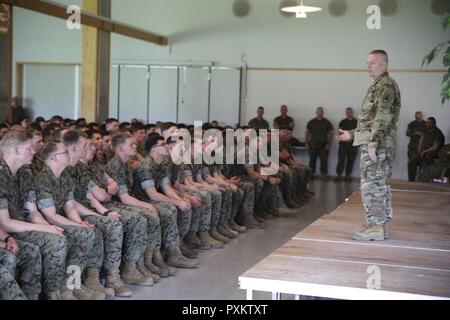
x: 376, y: 134
x: 21, y: 217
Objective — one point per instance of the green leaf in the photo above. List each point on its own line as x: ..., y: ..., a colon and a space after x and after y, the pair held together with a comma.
x: 429, y: 57
x: 445, y: 23
x: 447, y: 59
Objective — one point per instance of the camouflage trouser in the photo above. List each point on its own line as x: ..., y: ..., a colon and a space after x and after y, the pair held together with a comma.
x: 268, y: 203
x: 80, y: 242
x: 287, y: 185
x: 303, y: 175
x: 259, y: 185
x: 375, y: 186
x: 9, y: 288
x: 204, y: 221
x: 238, y: 198
x: 27, y: 265
x: 170, y: 235
x: 183, y: 222
x: 248, y: 202
x: 279, y: 197
x: 216, y: 203
x: 109, y: 239
x: 53, y: 252
x: 227, y: 203
x: 153, y: 227
x: 134, y: 231
x: 152, y: 224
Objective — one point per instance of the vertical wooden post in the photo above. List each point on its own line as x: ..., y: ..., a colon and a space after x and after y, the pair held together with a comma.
x: 6, y: 57
x: 89, y: 68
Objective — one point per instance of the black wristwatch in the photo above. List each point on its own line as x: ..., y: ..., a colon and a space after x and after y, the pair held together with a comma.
x: 106, y: 213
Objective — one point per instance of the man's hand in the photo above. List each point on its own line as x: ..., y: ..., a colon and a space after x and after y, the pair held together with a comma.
x: 12, y: 246
x: 344, y: 136
x: 327, y: 147
x: 53, y: 230
x: 88, y: 226
x: 372, y: 154
x: 196, y: 202
x: 235, y: 180
x: 274, y: 181
x: 184, y: 206
x: 114, y: 216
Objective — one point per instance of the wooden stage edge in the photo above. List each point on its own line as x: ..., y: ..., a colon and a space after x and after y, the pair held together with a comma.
x: 322, y: 260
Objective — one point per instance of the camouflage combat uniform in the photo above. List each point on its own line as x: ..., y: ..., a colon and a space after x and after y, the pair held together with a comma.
x: 55, y: 192
x: 109, y: 233
x: 15, y: 191
x: 149, y: 174
x: 122, y: 173
x: 377, y: 129
x: 28, y: 264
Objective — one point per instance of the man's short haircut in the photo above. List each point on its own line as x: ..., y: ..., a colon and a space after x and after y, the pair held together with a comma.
x: 137, y: 126
x: 90, y: 133
x: 152, y: 140
x: 35, y: 126
x: 48, y: 150
x: 111, y: 120
x: 14, y: 138
x: 260, y: 108
x: 166, y: 126
x: 119, y: 139
x: 432, y: 119
x: 381, y: 52
x: 71, y: 137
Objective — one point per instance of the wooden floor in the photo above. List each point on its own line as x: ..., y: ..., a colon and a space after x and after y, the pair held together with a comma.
x: 323, y: 261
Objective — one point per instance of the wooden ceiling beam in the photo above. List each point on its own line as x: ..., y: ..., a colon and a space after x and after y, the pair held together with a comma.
x: 88, y: 19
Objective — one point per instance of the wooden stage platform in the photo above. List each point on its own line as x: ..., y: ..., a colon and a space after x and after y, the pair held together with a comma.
x: 323, y: 261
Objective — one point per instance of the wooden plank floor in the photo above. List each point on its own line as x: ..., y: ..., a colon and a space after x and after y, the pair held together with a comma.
x: 414, y: 261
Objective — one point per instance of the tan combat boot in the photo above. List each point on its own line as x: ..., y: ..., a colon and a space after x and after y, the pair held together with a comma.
x: 371, y: 233
x: 225, y: 232
x: 114, y: 282
x: 66, y: 293
x: 251, y: 223
x: 204, y: 237
x: 193, y: 240
x: 159, y: 261
x: 188, y: 251
x: 85, y: 293
x: 148, y: 262
x: 177, y: 260
x: 33, y: 297
x: 55, y: 295
x: 131, y: 275
x: 217, y: 236
x: 147, y: 273
x: 236, y: 227
x: 93, y: 282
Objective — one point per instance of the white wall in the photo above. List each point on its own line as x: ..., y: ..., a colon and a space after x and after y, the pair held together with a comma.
x: 206, y: 30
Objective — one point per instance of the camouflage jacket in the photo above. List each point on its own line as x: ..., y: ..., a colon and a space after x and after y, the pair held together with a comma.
x: 122, y: 173
x: 15, y: 191
x: 149, y: 174
x: 52, y: 191
x: 380, y: 113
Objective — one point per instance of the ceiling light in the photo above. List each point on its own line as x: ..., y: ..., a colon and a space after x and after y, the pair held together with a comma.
x: 301, y: 10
